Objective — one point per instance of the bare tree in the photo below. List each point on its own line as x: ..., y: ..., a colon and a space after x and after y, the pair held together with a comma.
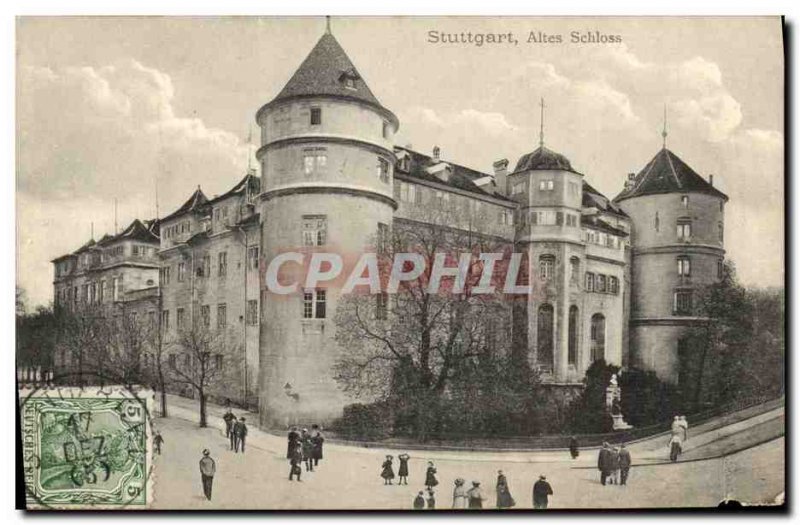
x: 414, y: 343
x: 204, y: 359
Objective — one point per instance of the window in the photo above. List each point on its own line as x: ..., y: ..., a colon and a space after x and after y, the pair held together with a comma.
x: 572, y: 336
x: 315, y: 161
x: 408, y: 192
x: 598, y: 337
x: 721, y: 231
x: 101, y: 291
x: 544, y: 218
x: 600, y: 283
x: 589, y: 282
x: 684, y: 229
x: 381, y: 306
x: 165, y: 271
x: 517, y: 188
x: 252, y: 312
x: 314, y: 306
x: 572, y: 220
x: 574, y: 269
x: 573, y: 189
x: 546, y: 185
x: 685, y: 201
x: 684, y: 266
x: 387, y: 130
x: 218, y: 360
x: 442, y: 197
x: 383, y: 169
x: 656, y: 222
x: 506, y: 217
x: 165, y: 321
x: 181, y: 271
x: 222, y: 261
x: 720, y: 269
x: 117, y: 282
x: 613, y: 285
x: 315, y: 230
x: 205, y: 315
x: 181, y: 319
x: 544, y: 337
x: 383, y: 238
x: 316, y: 116
x: 682, y: 303
x: 252, y: 257
x: 206, y: 270
x: 547, y: 265
x: 222, y: 315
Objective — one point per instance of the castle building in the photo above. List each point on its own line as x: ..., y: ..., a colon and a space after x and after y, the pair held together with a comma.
x: 678, y: 247
x: 601, y: 271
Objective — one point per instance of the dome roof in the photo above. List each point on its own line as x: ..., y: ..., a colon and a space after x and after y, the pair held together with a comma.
x: 543, y: 159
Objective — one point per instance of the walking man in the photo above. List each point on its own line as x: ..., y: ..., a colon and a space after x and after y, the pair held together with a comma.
x: 157, y: 441
x: 604, y: 462
x: 292, y: 442
x: 541, y: 491
x: 240, y: 430
x: 296, y: 457
x: 228, y: 418
x: 624, y: 464
x: 308, y: 450
x: 207, y: 470
x: 232, y: 434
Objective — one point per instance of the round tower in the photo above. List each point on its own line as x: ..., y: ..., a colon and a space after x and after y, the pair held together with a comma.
x: 327, y: 159
x: 677, y: 239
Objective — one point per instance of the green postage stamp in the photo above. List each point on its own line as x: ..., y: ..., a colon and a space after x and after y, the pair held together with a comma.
x: 86, y: 447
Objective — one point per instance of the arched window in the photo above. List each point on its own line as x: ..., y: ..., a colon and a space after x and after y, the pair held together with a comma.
x: 572, y: 336
x: 575, y: 269
x: 598, y: 340
x: 544, y: 337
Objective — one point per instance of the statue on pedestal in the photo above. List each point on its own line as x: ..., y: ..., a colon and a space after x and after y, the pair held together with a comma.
x: 613, y: 399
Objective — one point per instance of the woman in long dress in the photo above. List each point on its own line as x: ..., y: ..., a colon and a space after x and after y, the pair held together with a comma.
x: 430, y: 476
x: 459, y: 494
x: 504, y: 499
x: 387, y: 473
x: 402, y: 472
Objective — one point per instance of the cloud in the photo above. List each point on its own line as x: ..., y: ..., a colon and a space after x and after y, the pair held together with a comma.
x: 88, y: 135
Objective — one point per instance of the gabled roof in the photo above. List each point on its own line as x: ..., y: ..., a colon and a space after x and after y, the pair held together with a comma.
x: 594, y: 199
x: 543, y: 159
x: 667, y: 173
x: 137, y: 231
x: 328, y: 71
x: 461, y: 177
x: 249, y: 184
x: 195, y: 202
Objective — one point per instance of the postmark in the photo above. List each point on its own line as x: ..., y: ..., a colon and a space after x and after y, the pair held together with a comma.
x: 86, y: 447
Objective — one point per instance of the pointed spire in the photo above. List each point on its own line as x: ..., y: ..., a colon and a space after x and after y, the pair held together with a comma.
x: 328, y: 25
x: 664, y: 131
x: 541, y: 123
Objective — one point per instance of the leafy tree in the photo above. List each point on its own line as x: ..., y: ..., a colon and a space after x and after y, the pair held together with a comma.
x: 646, y: 400
x: 589, y: 413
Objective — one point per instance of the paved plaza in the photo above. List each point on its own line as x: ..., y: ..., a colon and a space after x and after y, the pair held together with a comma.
x: 348, y: 476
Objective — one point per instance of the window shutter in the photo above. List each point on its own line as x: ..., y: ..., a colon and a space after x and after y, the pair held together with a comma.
x: 559, y: 218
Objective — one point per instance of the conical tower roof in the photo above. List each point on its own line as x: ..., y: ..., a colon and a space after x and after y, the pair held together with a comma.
x: 667, y: 173
x: 328, y: 71
x: 194, y: 202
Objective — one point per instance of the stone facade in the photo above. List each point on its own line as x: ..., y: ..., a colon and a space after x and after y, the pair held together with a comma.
x: 602, y: 272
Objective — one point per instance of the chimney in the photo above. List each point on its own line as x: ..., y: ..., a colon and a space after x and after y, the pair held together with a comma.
x: 501, y: 175
x: 436, y: 151
x: 629, y: 180
x: 711, y: 179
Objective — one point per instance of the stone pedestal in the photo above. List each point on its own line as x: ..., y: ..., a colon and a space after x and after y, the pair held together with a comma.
x: 613, y: 398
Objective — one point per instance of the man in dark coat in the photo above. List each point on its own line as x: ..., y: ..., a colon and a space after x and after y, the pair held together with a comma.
x: 308, y: 450
x: 294, y: 462
x: 291, y: 442
x: 207, y: 470
x: 157, y: 442
x: 419, y: 502
x: 228, y: 418
x: 316, y: 442
x: 541, y: 491
x: 240, y: 431
x: 232, y: 433
x: 604, y: 463
x: 573, y: 447
x: 624, y: 464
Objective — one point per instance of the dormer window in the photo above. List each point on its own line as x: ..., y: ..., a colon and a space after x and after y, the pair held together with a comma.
x: 348, y: 79
x: 685, y: 201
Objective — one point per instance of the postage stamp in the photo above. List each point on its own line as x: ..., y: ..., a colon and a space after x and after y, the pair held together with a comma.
x: 86, y: 447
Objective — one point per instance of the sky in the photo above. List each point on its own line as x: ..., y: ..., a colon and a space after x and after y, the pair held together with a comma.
x: 133, y: 108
